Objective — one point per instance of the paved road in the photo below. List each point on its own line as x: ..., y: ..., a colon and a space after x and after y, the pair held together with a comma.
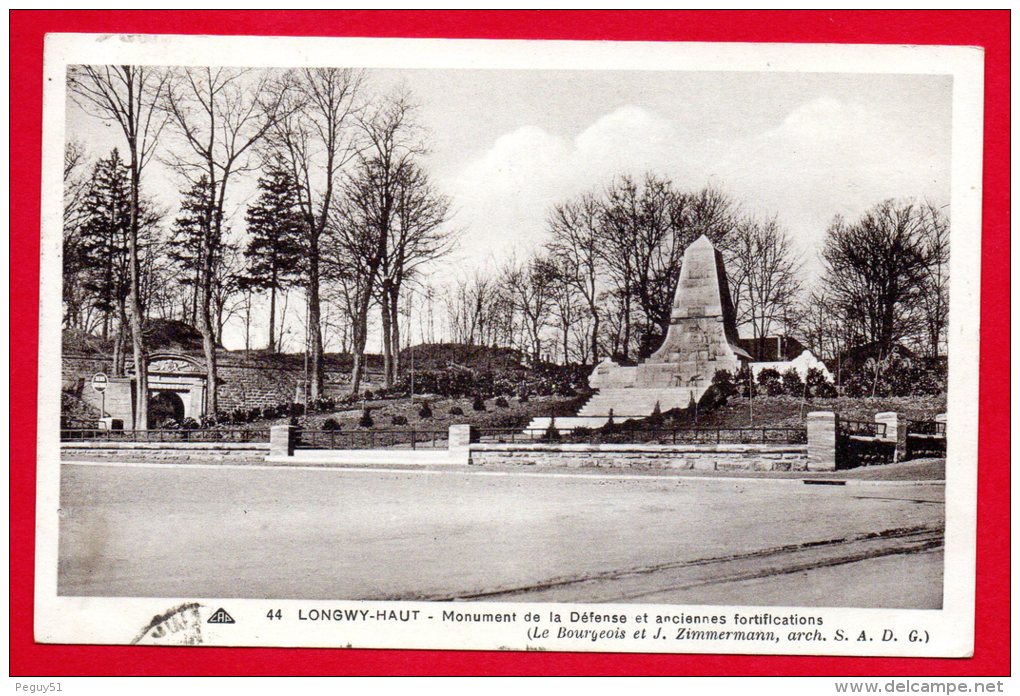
x: 221, y: 531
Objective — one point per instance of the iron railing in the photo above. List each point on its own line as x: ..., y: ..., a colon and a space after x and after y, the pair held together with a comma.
x: 931, y: 428
x: 371, y: 439
x: 859, y: 428
x: 925, y: 439
x: 163, y: 435
x: 646, y: 435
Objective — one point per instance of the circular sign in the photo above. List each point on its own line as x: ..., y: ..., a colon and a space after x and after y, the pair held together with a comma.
x: 99, y: 381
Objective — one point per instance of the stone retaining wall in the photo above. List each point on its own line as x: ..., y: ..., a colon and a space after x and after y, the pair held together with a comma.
x: 699, y: 457
x: 231, y: 453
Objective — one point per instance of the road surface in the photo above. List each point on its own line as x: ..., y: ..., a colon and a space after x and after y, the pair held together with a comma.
x: 320, y: 533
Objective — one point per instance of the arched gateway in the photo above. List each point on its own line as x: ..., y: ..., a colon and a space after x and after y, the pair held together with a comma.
x: 177, y: 388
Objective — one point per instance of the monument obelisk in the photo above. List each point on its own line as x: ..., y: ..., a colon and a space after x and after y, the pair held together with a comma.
x: 701, y: 340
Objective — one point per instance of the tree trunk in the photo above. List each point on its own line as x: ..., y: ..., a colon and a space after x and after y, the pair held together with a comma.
x: 314, y: 324
x: 626, y: 324
x: 141, y: 359
x: 120, y: 343
x: 594, y: 336
x: 205, y: 327
x: 395, y: 331
x: 360, y: 338
x: 387, y: 340
x: 272, y: 319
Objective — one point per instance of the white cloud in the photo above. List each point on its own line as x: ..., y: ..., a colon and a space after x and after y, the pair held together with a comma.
x: 826, y: 156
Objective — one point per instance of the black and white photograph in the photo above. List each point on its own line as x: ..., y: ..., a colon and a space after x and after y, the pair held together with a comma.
x: 470, y: 344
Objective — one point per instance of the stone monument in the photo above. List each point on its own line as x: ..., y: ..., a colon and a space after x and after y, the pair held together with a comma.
x: 701, y: 339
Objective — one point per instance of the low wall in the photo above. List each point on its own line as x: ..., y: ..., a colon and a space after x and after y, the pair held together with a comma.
x: 238, y: 452
x: 700, y: 457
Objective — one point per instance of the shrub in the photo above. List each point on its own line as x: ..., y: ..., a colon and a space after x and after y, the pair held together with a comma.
x: 189, y: 424
x: 456, y: 411
x: 239, y: 416
x: 818, y: 386
x: 744, y: 382
x: 169, y: 424
x: 366, y: 418
x: 270, y: 412
x: 581, y: 434
x: 479, y: 403
x: 367, y: 395
x: 657, y: 411
x: 425, y: 412
x: 330, y: 424
x: 551, y: 433
x: 399, y: 420
x: 297, y: 409
x: 724, y: 384
x: 523, y: 398
x: 501, y: 402
x: 770, y: 382
x: 254, y: 414
x: 792, y: 383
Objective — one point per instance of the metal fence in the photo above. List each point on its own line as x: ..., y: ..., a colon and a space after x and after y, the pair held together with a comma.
x: 933, y: 428
x: 646, y: 435
x: 863, y: 443
x: 859, y: 428
x: 925, y: 439
x: 371, y: 439
x: 197, y: 435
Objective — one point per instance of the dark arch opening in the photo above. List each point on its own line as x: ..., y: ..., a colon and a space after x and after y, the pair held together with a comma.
x: 163, y: 406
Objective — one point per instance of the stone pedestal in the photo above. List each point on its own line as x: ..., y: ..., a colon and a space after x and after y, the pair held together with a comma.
x: 895, y: 431
x: 460, y: 437
x: 822, y: 427
x: 281, y: 441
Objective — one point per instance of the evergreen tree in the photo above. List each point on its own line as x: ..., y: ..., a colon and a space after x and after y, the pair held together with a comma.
x: 191, y: 226
x: 274, y: 250
x: 103, y: 249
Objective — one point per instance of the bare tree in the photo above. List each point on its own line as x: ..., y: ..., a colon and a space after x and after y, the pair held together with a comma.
x: 874, y: 269
x: 76, y: 185
x: 647, y: 226
x: 219, y: 115
x: 934, y: 299
x: 470, y: 308
x: 575, y: 247
x: 352, y: 260
x: 130, y: 96
x: 314, y: 138
x: 764, y: 275
x: 530, y: 286
x: 417, y: 238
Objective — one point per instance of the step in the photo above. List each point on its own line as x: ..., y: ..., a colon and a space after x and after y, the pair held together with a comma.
x: 634, y: 402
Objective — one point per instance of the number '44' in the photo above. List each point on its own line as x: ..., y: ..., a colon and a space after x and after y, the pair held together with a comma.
x: 274, y: 614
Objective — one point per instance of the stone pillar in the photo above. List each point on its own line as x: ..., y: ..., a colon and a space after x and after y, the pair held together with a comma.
x: 895, y: 431
x: 281, y: 441
x: 822, y: 427
x: 460, y: 437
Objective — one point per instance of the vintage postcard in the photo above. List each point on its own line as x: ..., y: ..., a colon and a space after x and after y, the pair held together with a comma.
x: 463, y: 344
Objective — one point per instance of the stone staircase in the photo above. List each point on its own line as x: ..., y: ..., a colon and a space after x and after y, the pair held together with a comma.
x: 626, y: 404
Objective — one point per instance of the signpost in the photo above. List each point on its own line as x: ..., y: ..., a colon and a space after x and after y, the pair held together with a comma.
x: 99, y: 382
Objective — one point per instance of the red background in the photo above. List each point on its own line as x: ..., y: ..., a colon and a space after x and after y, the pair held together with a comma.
x: 989, y: 29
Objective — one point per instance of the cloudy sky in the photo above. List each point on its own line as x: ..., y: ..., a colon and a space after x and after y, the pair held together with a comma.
x: 506, y: 145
